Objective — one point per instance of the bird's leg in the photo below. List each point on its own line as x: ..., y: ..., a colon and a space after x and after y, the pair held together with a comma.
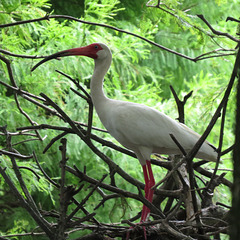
x: 145, y: 209
x: 149, y: 183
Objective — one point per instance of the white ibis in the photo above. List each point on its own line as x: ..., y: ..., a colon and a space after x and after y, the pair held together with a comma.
x: 137, y: 127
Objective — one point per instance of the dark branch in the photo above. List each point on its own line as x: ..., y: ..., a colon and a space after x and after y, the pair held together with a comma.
x: 216, y: 32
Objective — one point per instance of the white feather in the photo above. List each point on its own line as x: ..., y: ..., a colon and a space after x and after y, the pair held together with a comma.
x: 139, y: 128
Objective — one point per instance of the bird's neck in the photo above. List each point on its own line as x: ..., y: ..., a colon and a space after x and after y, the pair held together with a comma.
x: 96, y: 85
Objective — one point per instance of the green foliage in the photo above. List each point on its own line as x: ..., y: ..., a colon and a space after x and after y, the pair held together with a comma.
x: 140, y: 73
x: 104, y: 10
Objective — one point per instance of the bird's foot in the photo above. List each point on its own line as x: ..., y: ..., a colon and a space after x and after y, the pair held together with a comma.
x: 137, y: 226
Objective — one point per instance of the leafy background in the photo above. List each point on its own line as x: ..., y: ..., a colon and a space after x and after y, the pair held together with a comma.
x: 140, y: 73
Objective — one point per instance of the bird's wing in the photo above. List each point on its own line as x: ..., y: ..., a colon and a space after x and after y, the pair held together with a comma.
x: 144, y: 126
x: 138, y: 127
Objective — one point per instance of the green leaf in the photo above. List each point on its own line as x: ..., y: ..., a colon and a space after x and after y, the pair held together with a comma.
x: 10, y: 5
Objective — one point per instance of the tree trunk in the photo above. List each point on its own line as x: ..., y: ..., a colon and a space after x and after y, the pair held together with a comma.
x: 235, y: 221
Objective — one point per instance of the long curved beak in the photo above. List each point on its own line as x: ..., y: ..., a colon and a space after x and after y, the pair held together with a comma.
x: 83, y: 51
x: 53, y: 56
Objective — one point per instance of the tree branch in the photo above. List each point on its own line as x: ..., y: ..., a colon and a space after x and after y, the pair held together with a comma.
x: 216, y: 32
x: 48, y: 17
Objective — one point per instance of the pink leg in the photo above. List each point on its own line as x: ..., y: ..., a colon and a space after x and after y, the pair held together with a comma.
x: 145, y: 209
x: 149, y: 183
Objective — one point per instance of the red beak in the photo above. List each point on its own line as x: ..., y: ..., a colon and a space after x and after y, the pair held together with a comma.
x: 88, y: 51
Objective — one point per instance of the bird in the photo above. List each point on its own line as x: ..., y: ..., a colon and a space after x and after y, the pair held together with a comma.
x: 141, y: 129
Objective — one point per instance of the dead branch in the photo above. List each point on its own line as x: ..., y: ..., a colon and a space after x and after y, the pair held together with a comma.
x: 216, y: 32
x: 24, y: 203
x: 169, y: 222
x: 180, y: 104
x: 48, y: 17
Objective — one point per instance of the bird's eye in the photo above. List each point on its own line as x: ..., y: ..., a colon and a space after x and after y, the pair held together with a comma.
x: 96, y: 46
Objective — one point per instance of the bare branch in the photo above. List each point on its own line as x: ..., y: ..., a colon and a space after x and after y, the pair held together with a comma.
x: 36, y: 216
x: 10, y: 73
x: 31, y: 170
x: 19, y: 55
x: 13, y: 154
x: 44, y: 173
x: 216, y: 32
x: 86, y: 198
x: 84, y: 177
x: 174, y: 193
x: 232, y: 19
x: 180, y: 104
x: 47, y: 17
x: 217, y: 113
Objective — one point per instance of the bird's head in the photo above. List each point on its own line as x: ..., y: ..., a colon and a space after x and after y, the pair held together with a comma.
x: 96, y: 51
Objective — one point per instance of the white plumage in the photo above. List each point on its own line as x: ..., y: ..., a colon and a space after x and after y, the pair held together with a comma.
x: 139, y: 128
x: 146, y: 130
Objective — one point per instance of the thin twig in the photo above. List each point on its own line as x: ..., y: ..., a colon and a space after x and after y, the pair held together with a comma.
x: 180, y: 104
x: 47, y: 17
x: 178, y: 144
x: 19, y: 55
x: 216, y: 32
x: 86, y: 198
x: 53, y: 140
x: 76, y: 83
x: 36, y: 216
x: 26, y: 115
x: 208, y: 187
x: 16, y: 155
x: 10, y: 73
x: 227, y: 150
x: 216, y: 115
x: 84, y: 177
x: 44, y: 173
x: 31, y: 170
x: 64, y: 115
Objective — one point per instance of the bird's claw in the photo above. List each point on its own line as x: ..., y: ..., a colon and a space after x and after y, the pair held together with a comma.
x: 144, y: 231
